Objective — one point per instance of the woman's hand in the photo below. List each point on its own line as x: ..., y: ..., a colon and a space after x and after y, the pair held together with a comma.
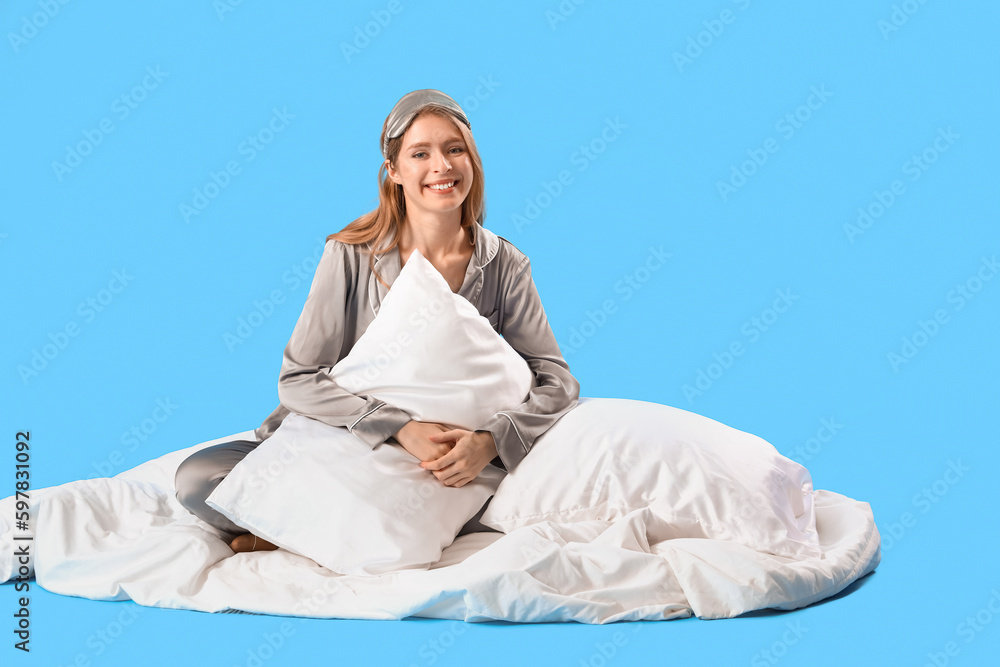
x: 415, y: 437
x: 470, y: 452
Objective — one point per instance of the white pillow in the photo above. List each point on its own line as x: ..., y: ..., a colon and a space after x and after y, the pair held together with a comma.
x: 430, y: 353
x: 609, y: 456
x: 317, y: 490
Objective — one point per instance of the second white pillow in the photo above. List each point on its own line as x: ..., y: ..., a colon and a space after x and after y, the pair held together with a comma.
x: 609, y: 456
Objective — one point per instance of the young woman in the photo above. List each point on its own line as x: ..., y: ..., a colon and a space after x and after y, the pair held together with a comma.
x: 431, y: 198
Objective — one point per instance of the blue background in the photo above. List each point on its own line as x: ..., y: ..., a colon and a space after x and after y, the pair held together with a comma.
x: 696, y: 90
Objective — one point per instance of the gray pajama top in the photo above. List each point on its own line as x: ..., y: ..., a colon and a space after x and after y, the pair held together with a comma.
x: 344, y: 299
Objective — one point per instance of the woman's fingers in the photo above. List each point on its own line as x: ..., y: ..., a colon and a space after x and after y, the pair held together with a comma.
x: 453, y: 455
x: 450, y: 473
x: 456, y: 480
x: 452, y: 468
x: 453, y: 434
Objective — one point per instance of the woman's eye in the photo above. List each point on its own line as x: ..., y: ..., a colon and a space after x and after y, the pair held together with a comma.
x: 453, y: 148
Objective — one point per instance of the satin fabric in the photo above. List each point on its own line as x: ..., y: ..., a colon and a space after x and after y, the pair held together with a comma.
x: 344, y: 299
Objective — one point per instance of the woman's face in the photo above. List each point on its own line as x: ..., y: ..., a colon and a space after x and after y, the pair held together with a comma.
x: 433, y: 152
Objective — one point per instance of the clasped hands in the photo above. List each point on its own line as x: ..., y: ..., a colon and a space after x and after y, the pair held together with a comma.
x: 454, y: 455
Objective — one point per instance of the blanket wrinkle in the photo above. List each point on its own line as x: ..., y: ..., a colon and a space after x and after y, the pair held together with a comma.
x: 127, y: 537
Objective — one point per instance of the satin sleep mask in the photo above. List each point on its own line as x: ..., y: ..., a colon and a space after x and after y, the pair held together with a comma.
x: 409, y: 105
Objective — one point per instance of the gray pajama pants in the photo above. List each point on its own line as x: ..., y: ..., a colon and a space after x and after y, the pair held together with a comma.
x: 199, y: 474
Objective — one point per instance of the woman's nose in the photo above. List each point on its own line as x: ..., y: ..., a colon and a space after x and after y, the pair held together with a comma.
x: 442, y: 163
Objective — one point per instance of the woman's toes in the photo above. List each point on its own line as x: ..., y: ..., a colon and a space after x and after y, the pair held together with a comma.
x: 247, y: 542
x: 242, y: 543
x: 264, y: 545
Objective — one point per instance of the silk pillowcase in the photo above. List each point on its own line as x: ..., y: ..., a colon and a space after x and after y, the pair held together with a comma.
x: 319, y: 491
x: 430, y: 353
x: 316, y: 490
x: 609, y: 456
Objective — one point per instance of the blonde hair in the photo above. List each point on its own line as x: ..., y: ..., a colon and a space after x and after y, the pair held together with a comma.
x: 387, y: 219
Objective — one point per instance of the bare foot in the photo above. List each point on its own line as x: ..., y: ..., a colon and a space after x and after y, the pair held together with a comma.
x: 250, y: 542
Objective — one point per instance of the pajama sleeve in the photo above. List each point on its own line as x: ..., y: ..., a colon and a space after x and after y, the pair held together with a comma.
x: 555, y: 391
x: 304, y: 384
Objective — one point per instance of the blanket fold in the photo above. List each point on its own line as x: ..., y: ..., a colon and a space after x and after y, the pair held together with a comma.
x: 127, y: 537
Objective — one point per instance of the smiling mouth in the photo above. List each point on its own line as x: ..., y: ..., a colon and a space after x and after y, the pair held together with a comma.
x: 444, y: 187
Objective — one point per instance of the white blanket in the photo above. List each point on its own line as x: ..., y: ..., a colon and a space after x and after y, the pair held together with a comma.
x: 127, y: 537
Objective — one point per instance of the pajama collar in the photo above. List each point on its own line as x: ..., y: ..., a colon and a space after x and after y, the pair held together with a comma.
x: 388, y: 266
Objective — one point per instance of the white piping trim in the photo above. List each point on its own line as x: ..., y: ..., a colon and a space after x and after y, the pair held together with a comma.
x: 351, y: 428
x: 523, y: 446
